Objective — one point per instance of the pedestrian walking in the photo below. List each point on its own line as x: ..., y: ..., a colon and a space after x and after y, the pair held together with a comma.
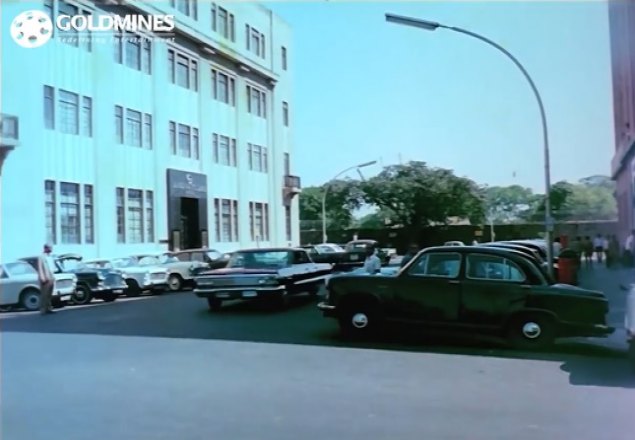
x: 576, y: 246
x: 613, y: 253
x: 372, y: 264
x: 587, y: 249
x: 46, y: 277
x: 413, y: 250
x: 598, y: 248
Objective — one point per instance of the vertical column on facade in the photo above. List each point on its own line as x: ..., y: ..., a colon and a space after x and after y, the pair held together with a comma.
x: 105, y: 220
x: 205, y: 128
x: 275, y: 145
x: 244, y: 220
x: 160, y: 129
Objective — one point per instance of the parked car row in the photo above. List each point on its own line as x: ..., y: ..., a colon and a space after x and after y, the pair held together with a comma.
x: 348, y: 257
x: 79, y: 282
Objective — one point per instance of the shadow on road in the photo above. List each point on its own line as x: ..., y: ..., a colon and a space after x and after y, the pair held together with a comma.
x: 184, y: 316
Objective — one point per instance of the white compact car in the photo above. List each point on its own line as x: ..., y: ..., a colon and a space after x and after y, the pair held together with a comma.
x: 19, y: 287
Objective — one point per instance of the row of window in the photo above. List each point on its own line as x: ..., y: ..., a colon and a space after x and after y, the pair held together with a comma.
x: 184, y: 140
x: 135, y: 215
x: 480, y: 267
x: 68, y: 112
x: 135, y: 51
x: 137, y: 130
x: 74, y: 203
x: 226, y: 221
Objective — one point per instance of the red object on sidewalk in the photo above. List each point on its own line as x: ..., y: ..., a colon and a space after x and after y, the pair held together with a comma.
x: 568, y: 271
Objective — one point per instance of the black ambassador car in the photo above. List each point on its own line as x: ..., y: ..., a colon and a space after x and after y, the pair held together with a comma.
x: 472, y: 289
x: 274, y: 273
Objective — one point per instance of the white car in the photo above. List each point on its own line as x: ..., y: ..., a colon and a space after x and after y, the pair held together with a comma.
x: 139, y: 276
x: 20, y: 287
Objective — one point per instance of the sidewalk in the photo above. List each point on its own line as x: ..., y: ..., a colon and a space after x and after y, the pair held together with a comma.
x: 608, y: 281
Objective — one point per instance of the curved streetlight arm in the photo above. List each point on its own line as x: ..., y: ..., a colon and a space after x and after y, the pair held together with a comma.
x: 543, y: 117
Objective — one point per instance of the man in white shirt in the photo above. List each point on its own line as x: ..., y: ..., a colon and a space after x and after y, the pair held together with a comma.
x: 46, y: 271
x: 598, y: 247
x: 372, y: 264
x: 557, y: 247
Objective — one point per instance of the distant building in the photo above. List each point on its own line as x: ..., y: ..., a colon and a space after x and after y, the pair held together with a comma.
x: 138, y: 143
x: 622, y: 28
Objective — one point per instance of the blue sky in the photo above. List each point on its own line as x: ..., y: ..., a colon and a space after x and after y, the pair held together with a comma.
x: 365, y: 89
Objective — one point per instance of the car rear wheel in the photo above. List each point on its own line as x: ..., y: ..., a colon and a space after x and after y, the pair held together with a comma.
x: 359, y: 320
x: 214, y: 304
x: 133, y: 289
x: 82, y: 296
x: 175, y: 283
x: 30, y: 300
x: 531, y: 331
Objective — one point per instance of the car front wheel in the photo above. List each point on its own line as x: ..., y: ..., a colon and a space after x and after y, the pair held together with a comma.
x: 531, y: 331
x: 82, y: 296
x: 359, y: 320
x: 175, y: 283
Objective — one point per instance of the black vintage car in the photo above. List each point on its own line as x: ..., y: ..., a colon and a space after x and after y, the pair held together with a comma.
x: 471, y: 289
x: 91, y: 283
x: 272, y: 273
x: 335, y: 255
x: 358, y: 249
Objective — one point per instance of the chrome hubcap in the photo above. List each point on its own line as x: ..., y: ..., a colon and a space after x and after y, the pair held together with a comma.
x: 531, y: 330
x: 360, y: 320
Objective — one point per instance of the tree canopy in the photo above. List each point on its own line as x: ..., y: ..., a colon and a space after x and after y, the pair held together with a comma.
x: 416, y: 195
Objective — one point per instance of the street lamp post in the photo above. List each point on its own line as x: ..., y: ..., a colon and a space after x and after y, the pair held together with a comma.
x: 328, y: 186
x: 432, y: 26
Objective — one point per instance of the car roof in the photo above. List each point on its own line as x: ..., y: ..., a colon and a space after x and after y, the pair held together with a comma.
x: 470, y: 249
x: 272, y: 249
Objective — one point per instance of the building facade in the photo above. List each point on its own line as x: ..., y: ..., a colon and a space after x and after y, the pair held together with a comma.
x: 622, y: 28
x: 141, y: 142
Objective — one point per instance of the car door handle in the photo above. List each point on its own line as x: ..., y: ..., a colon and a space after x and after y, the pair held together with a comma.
x: 454, y: 282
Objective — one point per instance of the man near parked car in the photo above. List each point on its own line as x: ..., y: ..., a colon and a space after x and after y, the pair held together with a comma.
x: 45, y: 271
x: 413, y: 249
x: 598, y: 247
x: 372, y: 264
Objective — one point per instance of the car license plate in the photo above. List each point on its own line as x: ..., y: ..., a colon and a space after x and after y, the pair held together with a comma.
x: 118, y: 291
x: 222, y: 295
x: 250, y: 294
x: 354, y: 257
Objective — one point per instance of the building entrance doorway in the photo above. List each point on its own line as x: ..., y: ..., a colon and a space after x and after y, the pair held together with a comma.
x: 190, y: 223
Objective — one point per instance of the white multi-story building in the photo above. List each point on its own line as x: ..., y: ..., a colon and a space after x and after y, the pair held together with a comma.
x: 139, y: 143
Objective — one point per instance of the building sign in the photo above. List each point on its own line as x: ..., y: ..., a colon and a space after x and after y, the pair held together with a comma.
x: 185, y: 184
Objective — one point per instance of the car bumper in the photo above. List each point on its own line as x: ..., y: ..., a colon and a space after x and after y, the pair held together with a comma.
x: 239, y: 292
x: 61, y: 298
x: 580, y: 330
x: 327, y: 309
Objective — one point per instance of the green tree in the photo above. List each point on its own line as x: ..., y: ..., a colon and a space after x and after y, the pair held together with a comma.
x: 342, y: 199
x: 509, y: 204
x: 415, y: 195
x: 591, y: 198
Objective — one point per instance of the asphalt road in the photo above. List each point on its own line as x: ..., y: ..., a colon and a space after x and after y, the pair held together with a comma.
x: 166, y: 368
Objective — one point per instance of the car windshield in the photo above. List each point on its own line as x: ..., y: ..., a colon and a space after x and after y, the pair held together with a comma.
x: 260, y: 260
x: 124, y: 262
x: 328, y: 248
x: 71, y: 264
x: 99, y: 265
x: 214, y: 255
x: 149, y: 261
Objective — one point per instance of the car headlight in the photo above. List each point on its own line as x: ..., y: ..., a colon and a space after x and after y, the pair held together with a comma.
x: 101, y: 277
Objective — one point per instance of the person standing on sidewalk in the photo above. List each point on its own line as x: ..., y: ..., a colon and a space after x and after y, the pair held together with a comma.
x: 576, y: 246
x: 45, y: 271
x: 372, y: 264
x: 598, y: 247
x: 613, y: 253
x: 413, y: 250
x: 587, y: 248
